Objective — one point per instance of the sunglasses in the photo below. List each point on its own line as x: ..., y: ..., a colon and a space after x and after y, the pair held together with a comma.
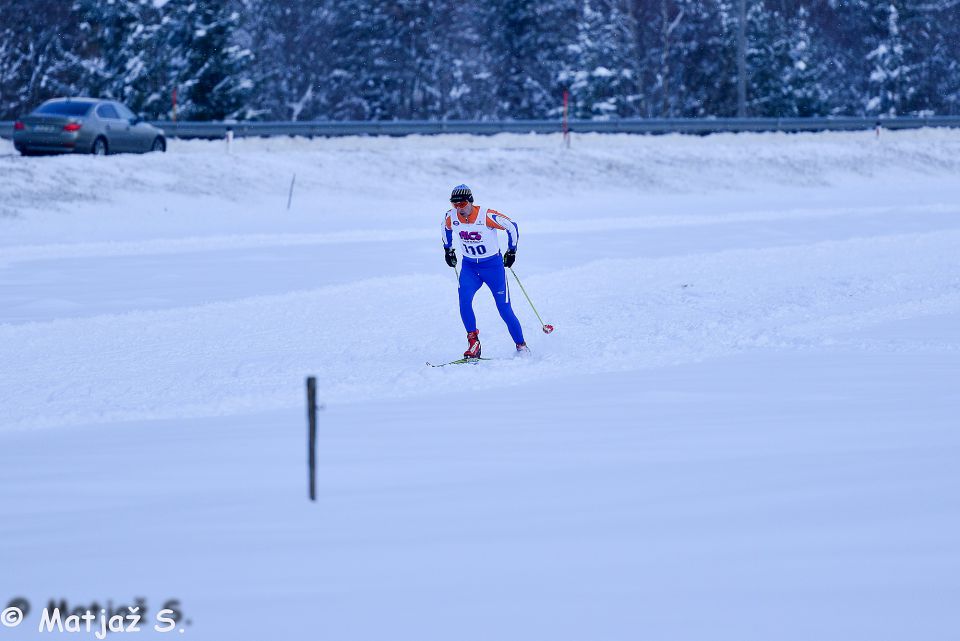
x: 459, y: 203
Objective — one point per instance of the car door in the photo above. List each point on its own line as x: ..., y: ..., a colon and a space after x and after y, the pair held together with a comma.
x: 115, y: 128
x: 139, y: 134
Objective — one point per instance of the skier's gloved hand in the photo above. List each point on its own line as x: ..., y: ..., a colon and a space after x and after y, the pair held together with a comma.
x: 451, y: 257
x: 509, y: 258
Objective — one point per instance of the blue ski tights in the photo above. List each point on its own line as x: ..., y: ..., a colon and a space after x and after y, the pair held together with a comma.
x: 489, y: 271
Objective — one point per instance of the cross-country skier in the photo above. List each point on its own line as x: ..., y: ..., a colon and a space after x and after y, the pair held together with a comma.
x: 476, y: 230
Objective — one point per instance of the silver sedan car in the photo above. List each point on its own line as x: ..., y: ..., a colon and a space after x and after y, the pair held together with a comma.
x: 85, y: 126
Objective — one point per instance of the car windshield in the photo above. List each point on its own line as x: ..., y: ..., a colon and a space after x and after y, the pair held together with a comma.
x: 64, y: 108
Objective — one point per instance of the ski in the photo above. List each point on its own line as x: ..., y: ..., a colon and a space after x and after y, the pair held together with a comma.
x: 460, y: 361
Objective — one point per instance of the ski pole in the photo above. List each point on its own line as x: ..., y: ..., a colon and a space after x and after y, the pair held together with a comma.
x: 546, y: 328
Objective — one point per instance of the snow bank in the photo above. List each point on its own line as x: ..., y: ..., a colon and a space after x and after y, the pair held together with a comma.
x: 198, y: 187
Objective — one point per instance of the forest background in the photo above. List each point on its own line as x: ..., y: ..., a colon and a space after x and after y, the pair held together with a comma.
x: 486, y: 60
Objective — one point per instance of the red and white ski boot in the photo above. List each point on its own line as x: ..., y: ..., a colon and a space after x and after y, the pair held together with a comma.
x: 473, y: 349
x: 522, y: 350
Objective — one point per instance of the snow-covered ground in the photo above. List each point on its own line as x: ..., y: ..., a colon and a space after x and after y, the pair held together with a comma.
x: 744, y: 427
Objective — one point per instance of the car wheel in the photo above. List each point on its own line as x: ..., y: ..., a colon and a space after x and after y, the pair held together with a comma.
x: 99, y: 147
x: 158, y: 145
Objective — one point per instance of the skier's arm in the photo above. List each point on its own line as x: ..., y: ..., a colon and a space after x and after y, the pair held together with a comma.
x: 496, y: 220
x: 447, y: 232
x: 449, y: 255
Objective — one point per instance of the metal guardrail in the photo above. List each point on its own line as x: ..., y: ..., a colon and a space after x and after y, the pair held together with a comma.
x: 702, y: 126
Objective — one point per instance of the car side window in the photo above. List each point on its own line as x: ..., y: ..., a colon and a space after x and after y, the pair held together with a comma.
x: 108, y: 111
x: 125, y: 113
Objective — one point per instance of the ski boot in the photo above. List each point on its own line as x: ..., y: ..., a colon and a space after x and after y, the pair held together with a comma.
x: 473, y: 349
x: 522, y: 350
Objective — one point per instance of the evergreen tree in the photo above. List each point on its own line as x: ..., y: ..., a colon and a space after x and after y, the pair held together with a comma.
x: 661, y: 45
x: 292, y: 65
x: 704, y: 77
x: 784, y: 71
x: 942, y: 80
x: 889, y: 87
x: 768, y: 60
x: 123, y: 53
x: 530, y: 48
x: 38, y: 58
x: 604, y: 81
x: 465, y: 63
x: 838, y: 54
x: 803, y: 79
x: 366, y: 79
x: 930, y: 32
x: 209, y: 68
